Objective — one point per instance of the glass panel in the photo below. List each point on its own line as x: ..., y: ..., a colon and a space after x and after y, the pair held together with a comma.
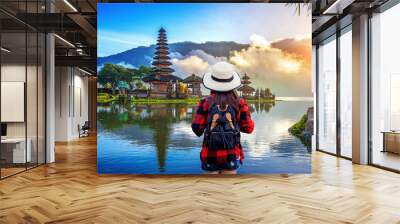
x: 346, y: 94
x: 41, y: 99
x: 31, y: 98
x: 32, y: 87
x: 13, y: 87
x: 327, y: 96
x: 385, y: 89
x: 23, y: 89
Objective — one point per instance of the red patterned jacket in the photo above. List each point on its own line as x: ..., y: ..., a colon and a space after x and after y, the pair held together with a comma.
x: 200, y: 120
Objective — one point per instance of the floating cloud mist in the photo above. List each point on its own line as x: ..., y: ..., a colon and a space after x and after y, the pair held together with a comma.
x: 283, y: 65
x: 196, y: 61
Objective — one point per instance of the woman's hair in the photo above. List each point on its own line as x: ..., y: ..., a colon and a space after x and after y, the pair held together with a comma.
x: 222, y: 99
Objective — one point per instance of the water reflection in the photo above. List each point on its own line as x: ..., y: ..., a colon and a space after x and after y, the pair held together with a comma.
x: 116, y: 115
x: 129, y: 136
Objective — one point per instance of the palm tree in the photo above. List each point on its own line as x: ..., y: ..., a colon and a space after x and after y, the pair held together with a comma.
x: 300, y: 6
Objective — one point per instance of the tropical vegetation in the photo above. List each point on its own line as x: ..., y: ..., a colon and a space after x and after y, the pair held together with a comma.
x: 117, y: 77
x: 106, y: 98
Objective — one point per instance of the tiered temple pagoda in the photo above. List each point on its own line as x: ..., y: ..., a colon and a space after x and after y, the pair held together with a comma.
x: 246, y: 91
x: 194, y: 85
x: 162, y: 82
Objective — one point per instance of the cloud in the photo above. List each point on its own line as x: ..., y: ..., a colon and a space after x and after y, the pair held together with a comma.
x: 298, y: 46
x: 196, y: 61
x: 126, y: 65
x: 259, y: 41
x: 261, y: 54
x: 122, y: 63
x: 189, y: 65
x: 210, y: 59
x: 283, y: 65
x: 176, y: 55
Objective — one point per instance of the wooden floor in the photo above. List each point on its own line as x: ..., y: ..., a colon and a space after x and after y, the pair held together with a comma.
x: 5, y: 172
x: 70, y: 191
x: 387, y: 159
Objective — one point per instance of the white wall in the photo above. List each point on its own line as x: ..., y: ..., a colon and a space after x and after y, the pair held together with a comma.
x: 80, y: 105
x: 62, y: 83
x: 14, y: 73
x: 33, y: 126
x: 71, y: 102
x: 17, y: 73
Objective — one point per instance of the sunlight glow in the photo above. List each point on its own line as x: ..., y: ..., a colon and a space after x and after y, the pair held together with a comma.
x: 290, y: 66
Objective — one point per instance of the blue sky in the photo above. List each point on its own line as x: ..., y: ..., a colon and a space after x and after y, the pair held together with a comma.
x: 122, y: 26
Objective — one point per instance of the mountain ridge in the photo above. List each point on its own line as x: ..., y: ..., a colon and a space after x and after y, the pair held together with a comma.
x: 143, y: 55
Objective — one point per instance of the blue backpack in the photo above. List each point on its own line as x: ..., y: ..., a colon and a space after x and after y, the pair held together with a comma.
x: 222, y: 130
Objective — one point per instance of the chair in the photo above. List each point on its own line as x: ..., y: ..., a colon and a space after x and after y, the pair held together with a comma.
x: 84, y: 130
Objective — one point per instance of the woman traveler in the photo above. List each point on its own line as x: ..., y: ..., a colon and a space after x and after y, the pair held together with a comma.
x: 221, y: 116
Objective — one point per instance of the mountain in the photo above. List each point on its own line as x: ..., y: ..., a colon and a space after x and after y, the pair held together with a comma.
x: 143, y: 55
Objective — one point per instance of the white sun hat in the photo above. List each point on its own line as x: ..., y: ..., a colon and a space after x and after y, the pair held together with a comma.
x: 222, y: 77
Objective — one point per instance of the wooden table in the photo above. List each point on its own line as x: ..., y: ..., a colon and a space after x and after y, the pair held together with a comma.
x: 17, y: 147
x: 391, y: 141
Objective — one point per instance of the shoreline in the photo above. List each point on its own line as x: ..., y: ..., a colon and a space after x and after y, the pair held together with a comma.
x: 115, y: 98
x: 160, y: 101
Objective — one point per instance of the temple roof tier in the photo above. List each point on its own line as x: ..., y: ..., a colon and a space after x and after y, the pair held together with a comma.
x: 246, y: 88
x: 161, y: 78
x: 166, y: 69
x: 161, y: 57
x: 161, y: 62
x: 164, y: 47
x: 161, y: 51
x: 246, y: 82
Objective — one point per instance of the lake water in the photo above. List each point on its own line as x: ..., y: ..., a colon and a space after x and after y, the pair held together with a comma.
x: 154, y: 139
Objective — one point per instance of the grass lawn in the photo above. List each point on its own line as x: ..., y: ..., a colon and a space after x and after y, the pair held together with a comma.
x: 106, y: 98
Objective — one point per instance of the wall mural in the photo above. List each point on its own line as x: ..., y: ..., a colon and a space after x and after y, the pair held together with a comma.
x: 156, y: 62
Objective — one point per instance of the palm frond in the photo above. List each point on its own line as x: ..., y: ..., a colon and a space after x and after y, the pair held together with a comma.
x: 299, y: 6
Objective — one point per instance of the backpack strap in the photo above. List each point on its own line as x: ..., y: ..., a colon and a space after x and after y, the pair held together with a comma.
x: 211, y: 111
x: 232, y: 112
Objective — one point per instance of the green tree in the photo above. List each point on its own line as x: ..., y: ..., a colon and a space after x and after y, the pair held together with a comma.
x: 108, y: 85
x: 111, y: 74
x: 139, y: 84
x: 114, y: 74
x: 141, y: 72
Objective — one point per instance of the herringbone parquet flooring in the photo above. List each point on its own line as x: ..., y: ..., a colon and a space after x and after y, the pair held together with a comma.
x: 70, y: 191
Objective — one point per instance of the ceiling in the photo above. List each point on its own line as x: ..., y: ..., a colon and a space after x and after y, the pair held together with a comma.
x: 329, y: 16
x: 73, y: 21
